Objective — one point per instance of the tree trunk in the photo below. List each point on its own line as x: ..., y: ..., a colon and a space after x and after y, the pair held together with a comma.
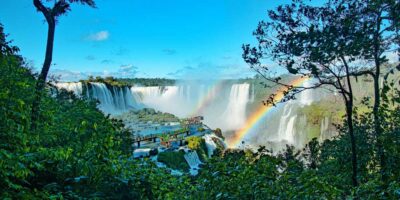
x: 377, y: 126
x: 41, y: 82
x: 349, y: 114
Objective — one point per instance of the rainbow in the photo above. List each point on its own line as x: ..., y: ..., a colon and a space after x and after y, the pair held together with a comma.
x: 205, y: 101
x: 260, y: 113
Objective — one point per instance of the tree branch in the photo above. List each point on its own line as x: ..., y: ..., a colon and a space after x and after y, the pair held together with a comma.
x: 40, y: 7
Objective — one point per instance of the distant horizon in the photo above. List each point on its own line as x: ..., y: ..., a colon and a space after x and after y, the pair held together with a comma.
x: 161, y: 78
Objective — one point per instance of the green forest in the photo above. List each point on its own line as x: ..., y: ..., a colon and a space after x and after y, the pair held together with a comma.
x: 54, y: 145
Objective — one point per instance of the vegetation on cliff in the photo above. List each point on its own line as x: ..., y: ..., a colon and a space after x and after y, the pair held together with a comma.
x: 122, y: 82
x: 146, y: 115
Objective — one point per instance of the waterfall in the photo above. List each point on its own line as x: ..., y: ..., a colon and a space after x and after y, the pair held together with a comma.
x: 325, y: 132
x: 223, y: 106
x: 252, y: 93
x: 188, y: 93
x: 101, y: 93
x: 287, y: 132
x: 192, y: 159
x: 146, y: 92
x: 76, y: 88
x: 113, y: 100
x: 235, y: 112
x: 306, y: 97
x: 211, y: 146
x: 165, y: 98
x: 286, y: 124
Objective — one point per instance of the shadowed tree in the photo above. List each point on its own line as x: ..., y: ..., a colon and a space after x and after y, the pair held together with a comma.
x: 379, y: 21
x: 319, y: 42
x: 5, y: 47
x: 51, y: 14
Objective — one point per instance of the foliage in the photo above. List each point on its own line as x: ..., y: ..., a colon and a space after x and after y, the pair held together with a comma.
x: 194, y: 142
x: 200, y: 129
x: 198, y: 144
x: 122, y: 82
x: 75, y: 151
x: 218, y: 133
x: 109, y: 81
x: 147, y: 81
x: 174, y: 160
x: 146, y: 115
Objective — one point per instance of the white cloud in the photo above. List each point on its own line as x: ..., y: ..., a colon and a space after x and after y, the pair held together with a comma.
x: 99, y: 36
x: 127, y: 71
x: 208, y: 70
x: 124, y: 71
x: 66, y: 75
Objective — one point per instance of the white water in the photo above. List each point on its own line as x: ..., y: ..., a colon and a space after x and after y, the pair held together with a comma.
x: 101, y: 93
x: 288, y: 120
x: 172, y: 99
x: 235, y: 113
x: 192, y: 159
x: 306, y: 97
x: 211, y: 146
x: 286, y: 124
x: 222, y: 109
x: 76, y: 88
x: 283, y: 125
x: 116, y: 100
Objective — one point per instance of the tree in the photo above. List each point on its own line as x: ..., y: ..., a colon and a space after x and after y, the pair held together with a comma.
x: 5, y: 47
x: 51, y: 15
x: 379, y: 22
x: 319, y: 42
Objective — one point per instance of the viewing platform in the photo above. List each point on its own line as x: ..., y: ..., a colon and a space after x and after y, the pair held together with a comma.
x: 191, y: 127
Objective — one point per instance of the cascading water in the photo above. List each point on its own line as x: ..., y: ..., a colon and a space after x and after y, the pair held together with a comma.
x: 76, y: 88
x: 253, y: 94
x: 288, y: 120
x: 225, y: 109
x: 192, y: 159
x: 286, y: 124
x: 101, y: 93
x: 325, y: 131
x: 306, y: 97
x: 113, y: 101
x: 235, y: 113
x: 171, y: 99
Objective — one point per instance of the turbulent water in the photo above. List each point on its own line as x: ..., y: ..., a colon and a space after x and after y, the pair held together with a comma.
x: 225, y: 107
x: 112, y: 99
x: 236, y: 108
x: 285, y: 125
x: 226, y: 110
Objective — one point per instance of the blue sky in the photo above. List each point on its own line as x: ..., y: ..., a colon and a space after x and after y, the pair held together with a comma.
x: 141, y: 38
